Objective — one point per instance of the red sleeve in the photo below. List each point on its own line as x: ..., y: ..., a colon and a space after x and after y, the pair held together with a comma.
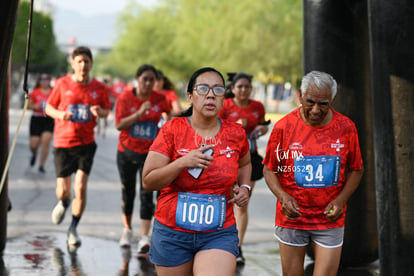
x: 164, y: 142
x: 172, y: 96
x: 163, y: 101
x: 32, y: 95
x: 245, y: 146
x: 355, y: 157
x: 121, y: 109
x: 275, y: 139
x: 54, y: 98
x: 224, y: 110
x: 261, y: 110
x: 105, y: 103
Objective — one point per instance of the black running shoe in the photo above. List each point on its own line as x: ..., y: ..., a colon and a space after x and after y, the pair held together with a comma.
x: 240, y: 259
x: 33, y: 160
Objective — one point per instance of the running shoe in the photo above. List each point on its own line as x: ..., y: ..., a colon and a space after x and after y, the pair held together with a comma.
x: 42, y: 170
x: 143, y: 245
x: 33, y: 160
x: 126, y: 238
x: 58, y: 213
x: 73, y: 238
x: 240, y: 260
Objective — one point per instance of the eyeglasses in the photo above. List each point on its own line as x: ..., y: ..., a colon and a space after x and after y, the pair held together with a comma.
x: 203, y: 89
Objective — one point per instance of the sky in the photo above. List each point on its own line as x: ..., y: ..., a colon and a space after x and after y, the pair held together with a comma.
x: 95, y: 7
x: 88, y: 22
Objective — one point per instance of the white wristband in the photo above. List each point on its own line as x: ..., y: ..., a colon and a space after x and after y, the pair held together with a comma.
x: 247, y: 187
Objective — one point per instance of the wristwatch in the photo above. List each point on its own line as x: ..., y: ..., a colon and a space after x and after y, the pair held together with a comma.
x: 247, y: 187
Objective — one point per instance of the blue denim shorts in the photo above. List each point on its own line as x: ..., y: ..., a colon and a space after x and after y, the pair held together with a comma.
x: 328, y: 238
x: 173, y: 248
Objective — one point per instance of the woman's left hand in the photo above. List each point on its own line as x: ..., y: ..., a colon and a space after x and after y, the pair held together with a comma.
x: 241, y: 196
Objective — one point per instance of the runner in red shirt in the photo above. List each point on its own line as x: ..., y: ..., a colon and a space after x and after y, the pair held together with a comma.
x: 166, y: 87
x: 75, y: 103
x: 41, y: 126
x: 238, y: 107
x: 313, y: 165
x: 194, y: 162
x: 137, y: 113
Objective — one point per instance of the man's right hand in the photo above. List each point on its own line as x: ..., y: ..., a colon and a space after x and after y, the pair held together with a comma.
x: 290, y: 207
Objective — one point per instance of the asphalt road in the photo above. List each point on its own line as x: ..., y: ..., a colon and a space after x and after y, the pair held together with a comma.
x: 36, y: 246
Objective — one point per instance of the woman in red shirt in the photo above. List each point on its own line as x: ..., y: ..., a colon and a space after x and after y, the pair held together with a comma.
x: 250, y: 114
x: 194, y: 162
x: 41, y: 125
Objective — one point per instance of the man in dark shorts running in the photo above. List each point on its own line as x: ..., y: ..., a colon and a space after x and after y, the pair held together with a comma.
x: 75, y: 103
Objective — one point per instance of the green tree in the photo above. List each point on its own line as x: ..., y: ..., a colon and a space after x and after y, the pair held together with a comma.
x: 179, y: 36
x: 44, y: 53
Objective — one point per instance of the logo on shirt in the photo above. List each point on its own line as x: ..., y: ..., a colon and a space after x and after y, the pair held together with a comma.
x: 338, y: 146
x: 228, y: 152
x: 201, y: 142
x: 68, y: 93
x: 234, y: 114
x: 183, y: 151
x: 294, y: 152
x: 94, y: 95
x: 156, y: 108
x: 295, y: 146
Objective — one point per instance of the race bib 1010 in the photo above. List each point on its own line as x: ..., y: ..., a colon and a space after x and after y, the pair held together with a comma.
x: 200, y: 212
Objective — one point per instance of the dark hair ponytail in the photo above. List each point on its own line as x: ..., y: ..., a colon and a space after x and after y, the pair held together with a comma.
x: 187, y: 112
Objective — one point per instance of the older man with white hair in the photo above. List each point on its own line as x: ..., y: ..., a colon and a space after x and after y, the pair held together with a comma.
x: 313, y: 165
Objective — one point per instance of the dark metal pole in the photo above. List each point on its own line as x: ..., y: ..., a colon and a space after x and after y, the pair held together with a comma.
x: 392, y: 61
x: 8, y: 15
x: 336, y: 41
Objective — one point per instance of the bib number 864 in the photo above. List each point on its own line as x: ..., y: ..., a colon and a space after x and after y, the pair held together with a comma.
x: 144, y: 130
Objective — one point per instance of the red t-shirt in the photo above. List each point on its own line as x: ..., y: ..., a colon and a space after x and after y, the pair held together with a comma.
x: 38, y: 97
x: 142, y: 133
x: 76, y: 97
x: 118, y: 88
x: 176, y: 139
x: 252, y: 113
x: 310, y: 163
x: 170, y: 96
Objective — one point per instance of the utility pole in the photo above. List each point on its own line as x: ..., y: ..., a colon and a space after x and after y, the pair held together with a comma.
x: 8, y: 15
